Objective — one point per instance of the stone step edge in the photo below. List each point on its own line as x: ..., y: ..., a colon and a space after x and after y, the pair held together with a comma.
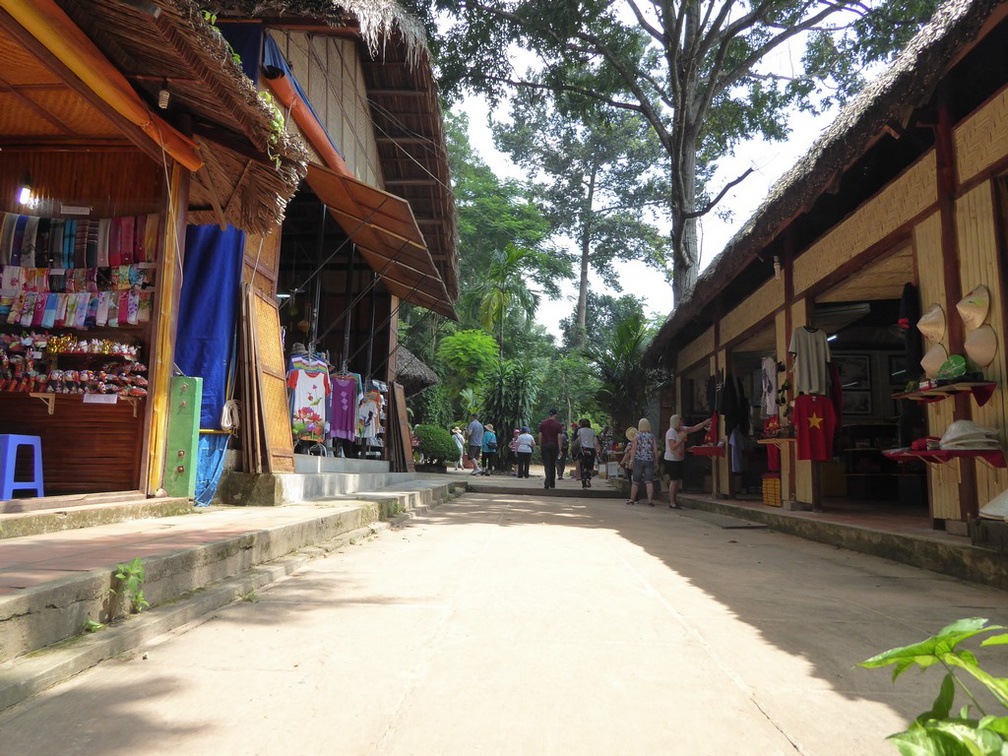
x: 50, y: 613
x: 42, y: 521
x: 31, y: 674
x: 974, y: 564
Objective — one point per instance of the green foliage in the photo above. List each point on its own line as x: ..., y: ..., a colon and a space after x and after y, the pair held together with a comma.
x: 466, y: 356
x: 90, y: 626
x: 510, y: 392
x: 972, y: 731
x: 432, y: 406
x: 571, y: 384
x: 694, y: 71
x: 626, y: 385
x: 436, y: 444
x: 129, y: 585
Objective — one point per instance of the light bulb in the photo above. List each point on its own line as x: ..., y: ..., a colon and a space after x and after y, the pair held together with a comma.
x: 163, y: 96
x: 25, y: 195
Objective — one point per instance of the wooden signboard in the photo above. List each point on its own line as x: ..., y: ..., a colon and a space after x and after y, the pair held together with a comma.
x: 399, y: 407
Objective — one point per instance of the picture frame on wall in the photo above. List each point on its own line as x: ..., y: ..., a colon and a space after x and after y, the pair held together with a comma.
x: 854, y: 370
x: 857, y: 402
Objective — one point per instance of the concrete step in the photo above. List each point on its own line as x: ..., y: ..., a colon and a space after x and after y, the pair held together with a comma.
x: 55, y: 519
x: 284, y: 489
x: 309, y: 463
x: 193, y: 564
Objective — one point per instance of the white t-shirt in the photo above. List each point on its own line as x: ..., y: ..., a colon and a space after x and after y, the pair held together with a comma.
x: 672, y: 437
x: 525, y: 443
x: 586, y: 437
x: 812, y: 353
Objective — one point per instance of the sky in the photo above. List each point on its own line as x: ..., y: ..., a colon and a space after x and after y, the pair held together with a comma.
x: 769, y: 161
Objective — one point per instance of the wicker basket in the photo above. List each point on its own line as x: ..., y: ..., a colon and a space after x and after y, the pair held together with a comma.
x: 771, y: 490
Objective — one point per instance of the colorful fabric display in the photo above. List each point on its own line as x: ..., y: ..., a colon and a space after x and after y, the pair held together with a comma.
x: 309, y: 379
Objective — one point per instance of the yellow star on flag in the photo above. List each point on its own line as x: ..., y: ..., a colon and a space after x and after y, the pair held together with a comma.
x: 815, y: 421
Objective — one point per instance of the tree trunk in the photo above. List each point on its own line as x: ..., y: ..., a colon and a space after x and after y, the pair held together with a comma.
x: 685, y: 247
x: 582, y: 306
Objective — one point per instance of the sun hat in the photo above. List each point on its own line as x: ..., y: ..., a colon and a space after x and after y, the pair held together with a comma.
x: 933, y: 360
x: 973, y: 308
x: 981, y: 346
x: 932, y: 323
x: 996, y: 508
x: 631, y: 433
x: 488, y: 426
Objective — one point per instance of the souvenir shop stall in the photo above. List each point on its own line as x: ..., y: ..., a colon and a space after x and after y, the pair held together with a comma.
x: 79, y: 272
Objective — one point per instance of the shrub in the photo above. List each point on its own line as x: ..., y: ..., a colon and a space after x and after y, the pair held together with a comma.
x: 436, y: 444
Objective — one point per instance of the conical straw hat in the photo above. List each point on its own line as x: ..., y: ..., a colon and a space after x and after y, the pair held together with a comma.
x: 981, y: 346
x: 933, y: 360
x: 932, y: 323
x: 974, y: 306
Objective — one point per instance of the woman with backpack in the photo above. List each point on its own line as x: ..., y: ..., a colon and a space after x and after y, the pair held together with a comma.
x: 489, y: 447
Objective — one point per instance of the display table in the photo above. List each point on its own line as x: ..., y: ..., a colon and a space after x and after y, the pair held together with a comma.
x: 981, y: 390
x: 707, y: 450
x: 993, y: 457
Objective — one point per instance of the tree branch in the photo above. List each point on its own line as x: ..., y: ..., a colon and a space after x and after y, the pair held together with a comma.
x: 658, y: 36
x: 525, y: 84
x: 710, y: 205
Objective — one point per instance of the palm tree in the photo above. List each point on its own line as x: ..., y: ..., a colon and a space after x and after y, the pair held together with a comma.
x: 626, y: 384
x: 505, y: 287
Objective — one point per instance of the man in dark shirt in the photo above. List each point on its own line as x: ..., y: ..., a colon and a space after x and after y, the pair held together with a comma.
x: 550, y: 438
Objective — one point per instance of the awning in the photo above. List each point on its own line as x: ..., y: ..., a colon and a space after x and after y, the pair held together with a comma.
x: 386, y: 234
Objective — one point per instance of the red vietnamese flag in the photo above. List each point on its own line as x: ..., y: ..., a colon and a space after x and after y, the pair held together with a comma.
x: 815, y: 423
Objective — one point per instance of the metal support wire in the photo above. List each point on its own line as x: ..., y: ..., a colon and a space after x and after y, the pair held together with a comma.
x: 342, y: 244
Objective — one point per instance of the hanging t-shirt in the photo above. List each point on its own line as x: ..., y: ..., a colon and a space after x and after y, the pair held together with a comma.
x: 769, y: 401
x: 309, y: 378
x: 815, y: 422
x: 345, y: 397
x: 812, y: 353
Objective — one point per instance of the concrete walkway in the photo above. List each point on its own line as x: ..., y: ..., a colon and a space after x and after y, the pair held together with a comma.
x: 525, y: 624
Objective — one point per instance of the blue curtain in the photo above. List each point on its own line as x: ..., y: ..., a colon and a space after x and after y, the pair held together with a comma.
x: 205, y: 342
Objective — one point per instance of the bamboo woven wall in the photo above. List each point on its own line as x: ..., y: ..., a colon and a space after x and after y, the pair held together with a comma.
x: 979, y: 264
x: 696, y: 350
x: 942, y: 480
x: 909, y: 195
x: 272, y: 386
x: 330, y: 71
x: 753, y: 308
x: 982, y: 139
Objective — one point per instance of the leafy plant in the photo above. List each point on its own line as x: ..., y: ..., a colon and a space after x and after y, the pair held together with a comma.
x: 129, y: 584
x: 436, y: 444
x: 90, y: 626
x: 937, y: 731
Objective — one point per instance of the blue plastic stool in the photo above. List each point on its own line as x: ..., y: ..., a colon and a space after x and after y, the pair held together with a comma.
x: 8, y: 460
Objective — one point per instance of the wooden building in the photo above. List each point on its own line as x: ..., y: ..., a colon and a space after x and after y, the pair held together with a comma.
x: 907, y: 186
x: 116, y: 117
x: 120, y: 114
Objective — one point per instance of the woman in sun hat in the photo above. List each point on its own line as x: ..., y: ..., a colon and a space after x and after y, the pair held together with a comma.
x: 460, y: 443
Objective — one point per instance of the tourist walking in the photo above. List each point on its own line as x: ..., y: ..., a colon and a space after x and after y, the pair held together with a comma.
x: 675, y: 454
x: 562, y: 457
x: 550, y: 438
x: 589, y: 444
x: 524, y: 445
x: 460, y: 443
x: 489, y: 448
x: 643, y: 452
x: 474, y: 436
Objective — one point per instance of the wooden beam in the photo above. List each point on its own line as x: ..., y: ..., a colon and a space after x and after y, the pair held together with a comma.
x: 396, y: 93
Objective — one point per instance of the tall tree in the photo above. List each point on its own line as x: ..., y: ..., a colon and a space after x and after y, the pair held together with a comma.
x: 693, y: 69
x: 603, y: 311
x: 596, y: 173
x: 493, y: 213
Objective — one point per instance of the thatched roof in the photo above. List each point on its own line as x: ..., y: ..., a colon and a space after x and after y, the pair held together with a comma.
x: 250, y: 171
x: 887, y: 101
x: 413, y: 373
